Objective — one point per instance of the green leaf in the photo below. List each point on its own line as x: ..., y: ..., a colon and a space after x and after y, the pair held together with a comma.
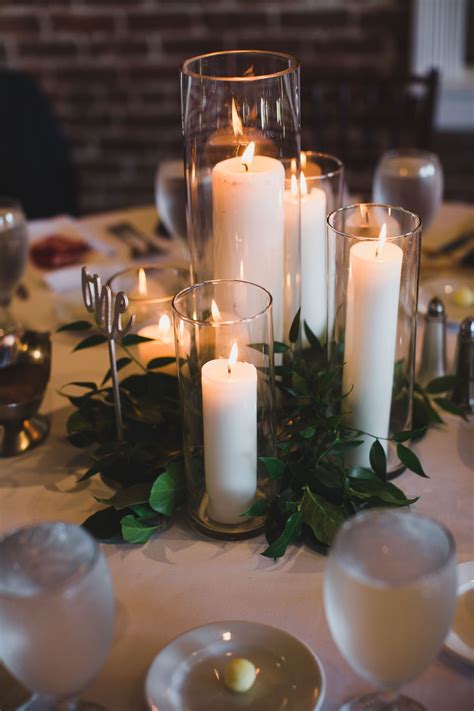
x: 313, y: 340
x: 121, y: 363
x: 299, y: 384
x: 441, y: 385
x: 274, y: 467
x: 290, y: 534
x: 136, y: 530
x: 409, y: 434
x: 89, y: 342
x: 449, y: 406
x: 128, y: 496
x: 132, y: 339
x: 168, y: 491
x: 308, y: 432
x: 258, y: 508
x: 86, y: 384
x: 322, y: 517
x: 362, y: 473
x: 75, y: 326
x: 410, y: 460
x: 160, y: 362
x: 295, y: 328
x: 104, y: 524
x: 385, y: 492
x: 279, y: 347
x: 378, y: 459
x: 262, y: 347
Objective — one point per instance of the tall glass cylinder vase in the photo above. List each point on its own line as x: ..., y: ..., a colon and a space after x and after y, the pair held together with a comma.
x: 224, y: 347
x: 318, y: 193
x: 241, y: 123
x: 373, y: 296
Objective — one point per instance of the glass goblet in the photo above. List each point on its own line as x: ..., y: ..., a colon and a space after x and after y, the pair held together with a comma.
x: 389, y: 596
x: 170, y: 196
x: 56, y: 611
x: 13, y: 255
x: 412, y: 179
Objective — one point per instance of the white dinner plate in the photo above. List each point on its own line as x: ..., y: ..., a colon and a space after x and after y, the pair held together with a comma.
x: 187, y: 673
x: 444, y: 287
x: 460, y: 640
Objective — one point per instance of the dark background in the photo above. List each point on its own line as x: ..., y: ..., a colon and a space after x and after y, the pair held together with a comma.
x: 110, y: 71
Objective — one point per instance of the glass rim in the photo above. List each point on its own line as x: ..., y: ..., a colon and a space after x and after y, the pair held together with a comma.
x: 382, y: 513
x: 147, y: 299
x: 294, y: 65
x: 326, y: 156
x: 409, y: 152
x: 408, y: 233
x: 216, y: 324
x: 79, y: 574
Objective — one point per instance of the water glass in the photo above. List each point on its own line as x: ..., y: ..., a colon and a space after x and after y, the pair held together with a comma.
x: 389, y: 595
x: 56, y: 611
x: 170, y: 196
x: 13, y: 255
x: 412, y: 179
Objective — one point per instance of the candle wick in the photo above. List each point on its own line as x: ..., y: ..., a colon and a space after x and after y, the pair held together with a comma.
x: 246, y: 167
x: 229, y: 369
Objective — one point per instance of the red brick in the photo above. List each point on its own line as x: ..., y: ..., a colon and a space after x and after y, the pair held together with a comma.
x: 315, y: 20
x: 235, y: 20
x: 18, y: 23
x: 151, y: 22
x: 51, y: 50
x: 82, y: 23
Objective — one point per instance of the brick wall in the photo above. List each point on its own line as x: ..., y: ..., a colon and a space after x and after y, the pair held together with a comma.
x: 109, y: 67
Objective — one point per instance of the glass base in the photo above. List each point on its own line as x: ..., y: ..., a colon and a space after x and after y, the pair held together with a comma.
x: 204, y: 524
x: 379, y: 702
x: 47, y: 703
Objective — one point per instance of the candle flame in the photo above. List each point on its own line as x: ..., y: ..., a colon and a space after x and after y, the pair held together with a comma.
x: 303, y: 160
x: 236, y: 121
x: 381, y: 242
x: 303, y: 184
x: 293, y: 166
x: 142, y: 285
x: 364, y: 213
x: 164, y: 326
x: 247, y: 155
x: 234, y: 352
x: 216, y: 314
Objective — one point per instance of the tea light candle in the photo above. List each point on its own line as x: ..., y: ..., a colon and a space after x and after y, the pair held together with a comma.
x: 371, y: 329
x: 248, y: 224
x: 366, y: 224
x: 163, y: 343
x: 313, y: 251
x: 229, y: 397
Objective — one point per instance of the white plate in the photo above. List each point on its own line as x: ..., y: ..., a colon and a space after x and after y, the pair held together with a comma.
x: 460, y: 640
x: 187, y: 674
x: 443, y: 287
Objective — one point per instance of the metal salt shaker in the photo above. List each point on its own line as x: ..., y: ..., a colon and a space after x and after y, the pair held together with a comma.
x: 433, y: 354
x: 463, y: 392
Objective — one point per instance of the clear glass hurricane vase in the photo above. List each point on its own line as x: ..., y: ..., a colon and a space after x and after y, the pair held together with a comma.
x: 241, y: 126
x: 224, y: 348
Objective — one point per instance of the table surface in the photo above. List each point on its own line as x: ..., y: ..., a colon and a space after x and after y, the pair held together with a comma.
x: 178, y: 580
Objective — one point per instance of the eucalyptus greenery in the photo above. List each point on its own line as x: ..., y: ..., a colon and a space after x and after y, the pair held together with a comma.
x: 315, y: 490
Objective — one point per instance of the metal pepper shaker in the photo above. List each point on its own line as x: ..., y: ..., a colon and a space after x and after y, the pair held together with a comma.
x: 433, y: 354
x: 463, y: 392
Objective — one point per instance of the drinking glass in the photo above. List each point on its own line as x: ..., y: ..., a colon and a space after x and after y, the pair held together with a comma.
x: 56, y: 611
x: 170, y: 196
x: 389, y: 595
x: 412, y: 179
x: 13, y: 254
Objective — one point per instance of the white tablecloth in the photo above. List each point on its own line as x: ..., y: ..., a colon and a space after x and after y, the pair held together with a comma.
x: 179, y: 580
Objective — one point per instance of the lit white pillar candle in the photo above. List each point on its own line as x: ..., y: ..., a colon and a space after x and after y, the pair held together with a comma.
x: 229, y: 399
x: 371, y: 329
x: 313, y: 251
x: 248, y: 224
